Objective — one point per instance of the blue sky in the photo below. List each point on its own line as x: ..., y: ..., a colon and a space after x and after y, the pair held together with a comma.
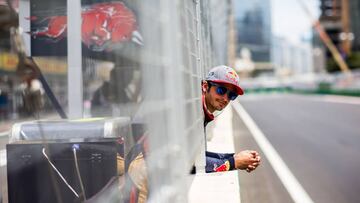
x: 290, y: 21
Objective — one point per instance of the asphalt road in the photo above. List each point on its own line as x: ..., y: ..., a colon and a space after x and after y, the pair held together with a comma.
x: 319, y: 140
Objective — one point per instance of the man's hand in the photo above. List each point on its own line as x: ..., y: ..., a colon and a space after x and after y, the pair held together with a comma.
x: 247, y: 160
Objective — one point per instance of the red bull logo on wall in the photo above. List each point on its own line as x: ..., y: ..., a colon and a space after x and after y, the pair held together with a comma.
x: 104, y: 26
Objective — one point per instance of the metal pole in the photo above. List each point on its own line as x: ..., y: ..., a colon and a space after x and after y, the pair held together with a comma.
x: 200, y: 161
x: 345, y: 21
x: 75, y: 82
x: 24, y: 13
x: 231, y: 35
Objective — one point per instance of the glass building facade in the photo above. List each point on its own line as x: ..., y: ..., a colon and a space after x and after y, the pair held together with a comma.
x: 253, y: 22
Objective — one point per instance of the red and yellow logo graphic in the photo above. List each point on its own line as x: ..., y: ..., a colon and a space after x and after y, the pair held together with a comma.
x: 223, y: 167
x: 231, y: 75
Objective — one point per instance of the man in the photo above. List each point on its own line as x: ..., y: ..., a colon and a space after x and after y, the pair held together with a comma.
x: 219, y: 88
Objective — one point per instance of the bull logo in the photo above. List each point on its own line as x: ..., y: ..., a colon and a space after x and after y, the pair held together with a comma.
x: 231, y: 75
x: 104, y: 25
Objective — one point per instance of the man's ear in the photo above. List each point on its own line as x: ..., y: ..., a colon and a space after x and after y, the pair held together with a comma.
x: 204, y: 86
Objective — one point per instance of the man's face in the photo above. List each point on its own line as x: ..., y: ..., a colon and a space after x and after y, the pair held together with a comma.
x: 215, y: 101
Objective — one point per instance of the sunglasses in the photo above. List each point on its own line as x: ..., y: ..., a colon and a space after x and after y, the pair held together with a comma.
x: 221, y: 90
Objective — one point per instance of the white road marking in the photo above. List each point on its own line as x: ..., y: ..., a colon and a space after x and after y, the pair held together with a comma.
x: 330, y: 98
x: 342, y: 99
x: 2, y: 158
x: 292, y: 185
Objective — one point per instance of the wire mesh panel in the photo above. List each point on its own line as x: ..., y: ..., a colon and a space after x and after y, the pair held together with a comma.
x: 220, y: 27
x: 192, y: 70
x: 178, y: 50
x: 143, y: 61
x: 164, y: 101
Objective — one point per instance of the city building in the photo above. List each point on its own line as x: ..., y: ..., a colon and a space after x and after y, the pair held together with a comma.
x: 293, y: 58
x: 339, y: 19
x: 354, y: 7
x: 253, y: 22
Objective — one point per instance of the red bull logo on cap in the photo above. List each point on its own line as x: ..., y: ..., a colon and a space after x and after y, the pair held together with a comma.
x: 231, y: 75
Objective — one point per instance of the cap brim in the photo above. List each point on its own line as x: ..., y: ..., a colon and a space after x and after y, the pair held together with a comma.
x: 239, y: 90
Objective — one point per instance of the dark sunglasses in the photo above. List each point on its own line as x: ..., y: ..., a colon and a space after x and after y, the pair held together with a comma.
x: 221, y: 90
